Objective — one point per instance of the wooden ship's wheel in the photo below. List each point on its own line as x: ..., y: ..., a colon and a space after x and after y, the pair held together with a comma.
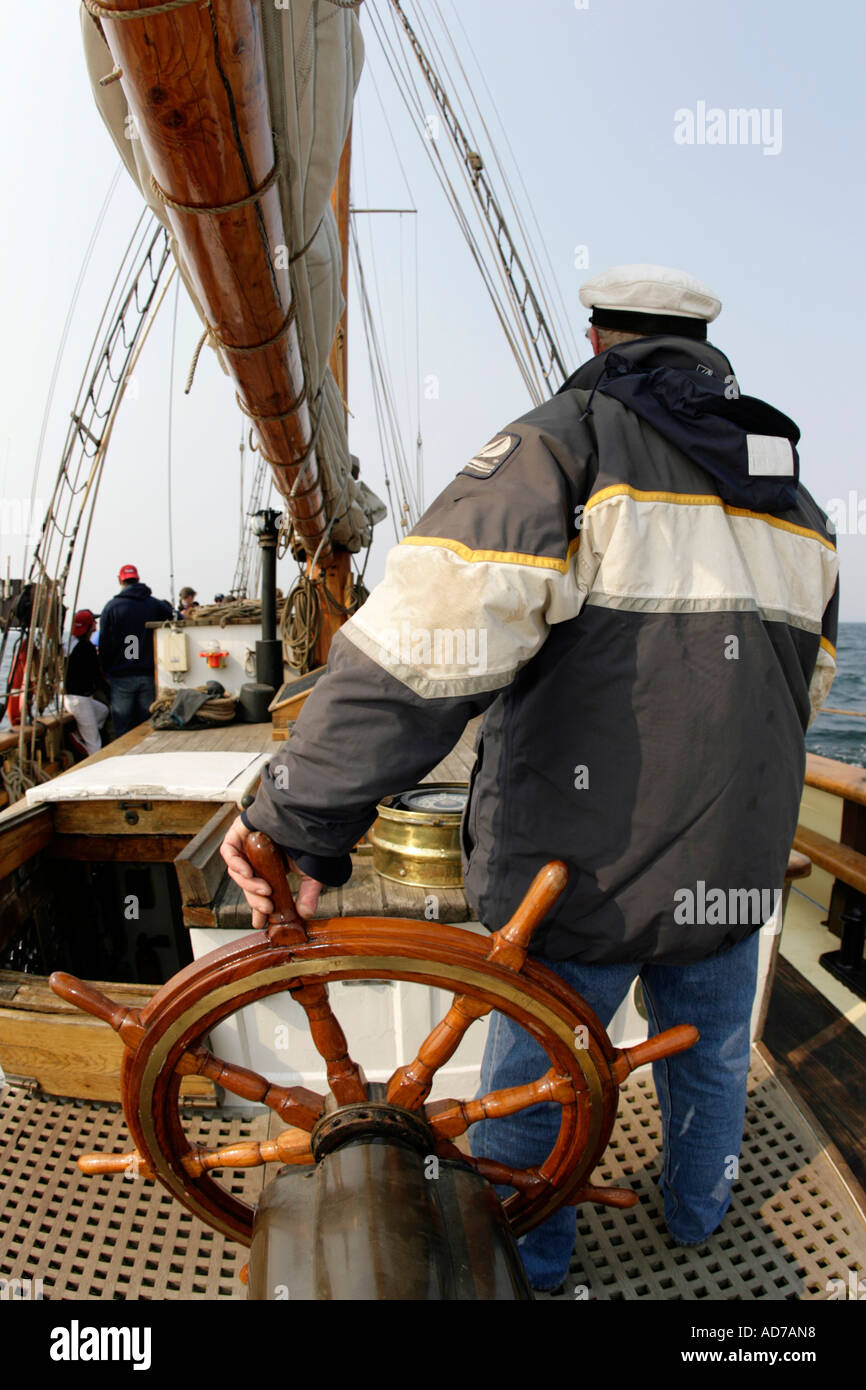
x: 166, y: 1041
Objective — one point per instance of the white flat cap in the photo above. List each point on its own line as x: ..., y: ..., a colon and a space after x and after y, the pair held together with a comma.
x: 650, y: 289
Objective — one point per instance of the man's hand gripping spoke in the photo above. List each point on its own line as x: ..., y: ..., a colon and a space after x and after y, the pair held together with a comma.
x: 257, y: 892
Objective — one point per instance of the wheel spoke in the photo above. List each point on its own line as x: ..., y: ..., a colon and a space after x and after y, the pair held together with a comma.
x: 620, y: 1197
x: 344, y: 1076
x: 294, y: 1104
x: 131, y: 1164
x: 510, y: 944
x: 528, y: 1181
x: 410, y: 1085
x: 448, y: 1118
x: 292, y: 1146
x: 125, y: 1022
x: 666, y: 1044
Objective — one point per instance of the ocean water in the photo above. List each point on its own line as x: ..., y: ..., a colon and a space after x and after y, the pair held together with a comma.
x: 837, y: 735
x: 834, y: 735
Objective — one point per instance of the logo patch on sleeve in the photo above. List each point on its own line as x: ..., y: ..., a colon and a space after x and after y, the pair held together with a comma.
x: 485, y: 463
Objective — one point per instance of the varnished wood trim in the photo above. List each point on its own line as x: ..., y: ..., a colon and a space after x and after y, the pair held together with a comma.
x: 118, y: 849
x: 107, y: 818
x: 199, y: 866
x: 839, y: 860
x: 840, y: 779
x: 31, y: 831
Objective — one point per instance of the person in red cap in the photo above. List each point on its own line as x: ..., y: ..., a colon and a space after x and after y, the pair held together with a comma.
x: 126, y: 648
x: 86, y: 691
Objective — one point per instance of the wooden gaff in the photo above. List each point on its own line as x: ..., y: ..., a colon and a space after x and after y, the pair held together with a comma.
x: 193, y: 77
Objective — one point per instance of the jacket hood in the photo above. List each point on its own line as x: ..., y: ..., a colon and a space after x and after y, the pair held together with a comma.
x: 139, y: 592
x: 688, y: 392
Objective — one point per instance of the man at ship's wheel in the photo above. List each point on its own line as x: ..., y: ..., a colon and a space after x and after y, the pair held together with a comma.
x: 634, y: 588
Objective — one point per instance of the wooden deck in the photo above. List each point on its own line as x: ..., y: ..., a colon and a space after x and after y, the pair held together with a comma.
x: 185, y: 833
x: 221, y: 738
x: 821, y: 1056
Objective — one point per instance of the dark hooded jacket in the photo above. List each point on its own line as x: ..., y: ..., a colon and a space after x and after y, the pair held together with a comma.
x: 125, y: 644
x: 634, y: 588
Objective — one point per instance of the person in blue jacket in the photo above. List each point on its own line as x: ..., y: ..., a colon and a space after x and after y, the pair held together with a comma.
x: 126, y: 649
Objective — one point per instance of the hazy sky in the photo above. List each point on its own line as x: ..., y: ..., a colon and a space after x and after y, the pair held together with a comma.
x: 599, y: 102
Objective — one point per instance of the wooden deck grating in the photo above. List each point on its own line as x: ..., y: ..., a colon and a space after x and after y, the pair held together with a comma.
x: 793, y: 1225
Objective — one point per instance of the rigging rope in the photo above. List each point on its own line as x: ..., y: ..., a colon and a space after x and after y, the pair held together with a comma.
x: 301, y: 623
x: 389, y: 436
x: 301, y: 619
x: 19, y: 775
x: 194, y: 363
x: 535, y: 265
x: 412, y: 101
x: 88, y: 254
x: 168, y: 449
x: 523, y: 318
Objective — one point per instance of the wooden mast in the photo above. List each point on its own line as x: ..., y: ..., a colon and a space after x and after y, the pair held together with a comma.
x: 194, y: 81
x: 333, y: 572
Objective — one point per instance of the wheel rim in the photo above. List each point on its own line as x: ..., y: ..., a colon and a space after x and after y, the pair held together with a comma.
x: 538, y: 1001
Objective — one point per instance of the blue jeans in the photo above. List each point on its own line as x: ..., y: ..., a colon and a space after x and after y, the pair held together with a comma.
x: 701, y: 1093
x: 131, y: 699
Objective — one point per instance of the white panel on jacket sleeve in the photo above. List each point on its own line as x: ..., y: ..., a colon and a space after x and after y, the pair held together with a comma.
x: 452, y: 622
x: 770, y: 456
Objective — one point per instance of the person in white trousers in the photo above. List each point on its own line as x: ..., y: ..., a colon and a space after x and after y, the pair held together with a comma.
x: 84, y: 679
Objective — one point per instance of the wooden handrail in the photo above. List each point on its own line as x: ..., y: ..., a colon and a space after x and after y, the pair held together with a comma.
x: 840, y: 779
x: 839, y: 860
x: 799, y: 866
x: 9, y: 737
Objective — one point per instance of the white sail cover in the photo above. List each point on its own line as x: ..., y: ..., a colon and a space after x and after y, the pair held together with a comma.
x: 313, y: 54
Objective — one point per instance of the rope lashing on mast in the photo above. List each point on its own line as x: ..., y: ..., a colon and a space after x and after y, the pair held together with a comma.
x: 99, y: 10
x: 220, y: 208
x: 244, y: 348
x: 282, y: 414
x: 301, y: 619
x: 303, y: 460
x: 209, y: 332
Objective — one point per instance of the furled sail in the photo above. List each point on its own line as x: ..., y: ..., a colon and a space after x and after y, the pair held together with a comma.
x: 231, y: 118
